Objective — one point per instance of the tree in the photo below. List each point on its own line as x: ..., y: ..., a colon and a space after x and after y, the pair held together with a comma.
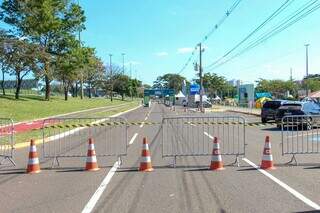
x: 278, y: 88
x: 122, y: 85
x: 47, y: 23
x: 93, y: 70
x: 19, y: 58
x: 112, y: 72
x: 169, y: 81
x: 312, y: 82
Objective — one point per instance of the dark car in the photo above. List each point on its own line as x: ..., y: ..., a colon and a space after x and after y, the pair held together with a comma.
x: 302, y: 114
x: 269, y: 110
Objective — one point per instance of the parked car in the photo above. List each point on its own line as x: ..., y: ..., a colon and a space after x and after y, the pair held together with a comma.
x: 302, y: 112
x: 269, y: 110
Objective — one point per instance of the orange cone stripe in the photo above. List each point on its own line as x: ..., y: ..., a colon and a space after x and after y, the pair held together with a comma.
x: 91, y: 153
x: 145, y: 153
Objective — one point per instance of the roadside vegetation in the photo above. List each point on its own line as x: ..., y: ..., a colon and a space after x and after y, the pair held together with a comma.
x: 42, y: 40
x: 31, y: 107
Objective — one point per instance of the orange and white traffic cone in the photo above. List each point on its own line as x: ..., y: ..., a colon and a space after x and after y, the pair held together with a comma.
x: 91, y: 163
x: 33, y: 162
x: 216, y: 160
x: 267, y: 160
x: 145, y: 162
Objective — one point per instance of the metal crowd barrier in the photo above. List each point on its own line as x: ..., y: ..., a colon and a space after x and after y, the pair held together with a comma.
x: 6, y: 141
x: 68, y: 137
x: 193, y: 136
x: 300, y: 135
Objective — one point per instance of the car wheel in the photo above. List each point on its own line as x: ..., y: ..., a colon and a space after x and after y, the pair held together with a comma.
x: 264, y: 120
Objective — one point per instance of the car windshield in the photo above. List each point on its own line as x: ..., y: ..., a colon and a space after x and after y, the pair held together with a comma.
x: 291, y: 106
x: 272, y: 105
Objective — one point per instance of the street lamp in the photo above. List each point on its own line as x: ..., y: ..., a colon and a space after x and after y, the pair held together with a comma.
x: 123, y: 54
x: 307, y: 67
x: 111, y: 80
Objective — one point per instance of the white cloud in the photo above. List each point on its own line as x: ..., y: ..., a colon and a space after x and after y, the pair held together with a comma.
x: 185, y: 50
x: 161, y: 54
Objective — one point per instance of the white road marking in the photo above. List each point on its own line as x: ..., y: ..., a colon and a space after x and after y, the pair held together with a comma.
x: 146, y: 118
x: 141, y: 125
x: 133, y: 138
x: 207, y: 134
x: 192, y: 124
x: 285, y: 186
x: 96, y: 196
x: 303, y: 134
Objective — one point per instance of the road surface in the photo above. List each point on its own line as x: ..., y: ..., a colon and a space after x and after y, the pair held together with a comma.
x: 189, y: 187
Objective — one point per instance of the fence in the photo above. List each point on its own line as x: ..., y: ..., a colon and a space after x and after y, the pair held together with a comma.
x: 193, y: 136
x: 6, y: 140
x: 300, y: 135
x: 68, y: 137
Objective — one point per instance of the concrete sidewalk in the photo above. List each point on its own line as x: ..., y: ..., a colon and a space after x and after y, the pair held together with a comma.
x: 248, y: 111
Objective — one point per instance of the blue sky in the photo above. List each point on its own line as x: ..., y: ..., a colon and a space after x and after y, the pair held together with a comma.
x: 156, y: 36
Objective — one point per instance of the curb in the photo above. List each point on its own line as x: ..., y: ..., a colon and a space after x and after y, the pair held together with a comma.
x: 39, y: 141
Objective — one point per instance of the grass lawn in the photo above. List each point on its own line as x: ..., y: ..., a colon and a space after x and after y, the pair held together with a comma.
x: 37, y: 134
x: 30, y: 107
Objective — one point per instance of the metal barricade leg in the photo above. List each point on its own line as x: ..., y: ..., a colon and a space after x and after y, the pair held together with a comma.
x: 54, y: 161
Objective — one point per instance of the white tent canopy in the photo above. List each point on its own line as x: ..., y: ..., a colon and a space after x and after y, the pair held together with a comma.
x: 180, y: 95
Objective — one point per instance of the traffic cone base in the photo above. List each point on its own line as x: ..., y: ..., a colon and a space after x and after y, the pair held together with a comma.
x: 91, y: 163
x: 33, y: 161
x: 217, y: 166
x: 146, y: 167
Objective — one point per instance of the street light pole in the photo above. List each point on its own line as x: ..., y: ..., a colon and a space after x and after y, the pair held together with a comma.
x: 201, y: 80
x: 307, y: 67
x: 123, y: 54
x: 111, y: 77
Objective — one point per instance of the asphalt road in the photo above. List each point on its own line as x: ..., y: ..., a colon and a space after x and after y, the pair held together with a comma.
x: 189, y: 187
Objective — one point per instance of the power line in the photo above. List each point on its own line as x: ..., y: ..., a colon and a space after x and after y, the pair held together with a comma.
x: 299, y: 14
x: 264, y: 23
x: 209, y: 34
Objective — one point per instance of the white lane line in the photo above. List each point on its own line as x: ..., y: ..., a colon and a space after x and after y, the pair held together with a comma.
x: 133, y: 138
x: 285, y: 186
x: 303, y: 134
x: 207, y: 134
x: 96, y: 196
x: 146, y: 118
x: 141, y: 125
x: 192, y: 124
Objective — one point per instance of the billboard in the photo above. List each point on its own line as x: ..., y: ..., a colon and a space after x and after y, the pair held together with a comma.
x: 194, y: 89
x: 246, y: 94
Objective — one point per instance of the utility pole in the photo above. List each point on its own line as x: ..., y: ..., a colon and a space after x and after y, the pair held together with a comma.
x: 123, y: 54
x: 291, y: 79
x: 111, y: 77
x: 81, y: 71
x: 201, y: 80
x: 307, y: 67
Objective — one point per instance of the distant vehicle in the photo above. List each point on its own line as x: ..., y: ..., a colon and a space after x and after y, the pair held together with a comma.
x: 207, y: 104
x: 184, y: 103
x: 299, y: 108
x: 269, y: 110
